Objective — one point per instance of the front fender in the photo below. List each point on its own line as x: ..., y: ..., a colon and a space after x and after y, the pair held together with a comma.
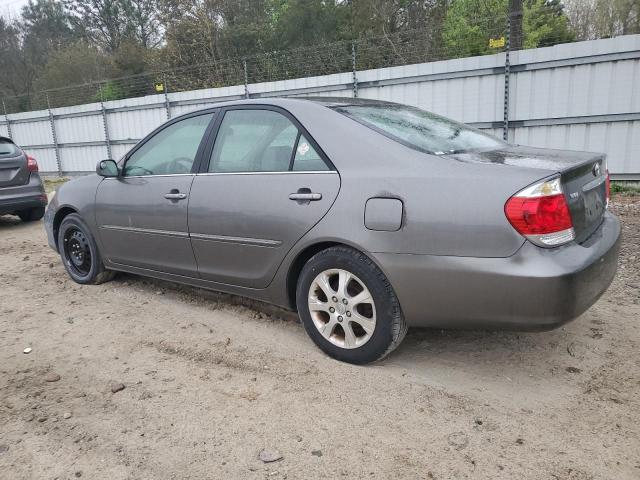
x: 77, y: 195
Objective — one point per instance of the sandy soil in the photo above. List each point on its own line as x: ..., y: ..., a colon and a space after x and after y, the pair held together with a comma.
x: 210, y: 382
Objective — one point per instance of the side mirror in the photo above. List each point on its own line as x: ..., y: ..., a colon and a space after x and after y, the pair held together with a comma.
x: 107, y: 168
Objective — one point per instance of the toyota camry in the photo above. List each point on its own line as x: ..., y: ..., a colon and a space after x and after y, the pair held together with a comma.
x: 365, y: 216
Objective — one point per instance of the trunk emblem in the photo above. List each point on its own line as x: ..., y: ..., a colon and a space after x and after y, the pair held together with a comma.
x: 596, y: 170
x: 574, y: 195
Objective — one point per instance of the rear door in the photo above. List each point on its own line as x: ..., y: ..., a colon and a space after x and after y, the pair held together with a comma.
x: 142, y: 215
x: 265, y: 185
x: 13, y: 165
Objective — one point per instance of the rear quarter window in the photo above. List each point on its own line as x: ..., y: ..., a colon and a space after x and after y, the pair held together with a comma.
x: 8, y: 149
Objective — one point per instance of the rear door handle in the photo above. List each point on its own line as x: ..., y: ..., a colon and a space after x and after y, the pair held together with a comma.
x: 309, y: 197
x: 175, y: 196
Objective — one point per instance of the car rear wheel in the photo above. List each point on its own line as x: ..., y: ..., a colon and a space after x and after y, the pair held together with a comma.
x: 348, y: 307
x: 31, y: 215
x: 79, y: 252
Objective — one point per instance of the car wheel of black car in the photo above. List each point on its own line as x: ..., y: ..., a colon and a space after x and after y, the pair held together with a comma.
x: 348, y: 307
x: 31, y: 215
x: 79, y: 252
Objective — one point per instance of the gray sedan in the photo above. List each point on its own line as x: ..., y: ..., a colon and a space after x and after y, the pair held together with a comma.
x: 365, y: 216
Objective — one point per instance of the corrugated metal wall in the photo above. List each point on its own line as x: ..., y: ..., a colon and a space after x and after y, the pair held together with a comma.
x: 579, y: 96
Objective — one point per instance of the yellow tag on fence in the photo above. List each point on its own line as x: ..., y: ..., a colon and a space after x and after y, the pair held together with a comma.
x: 496, y: 42
x: 159, y: 87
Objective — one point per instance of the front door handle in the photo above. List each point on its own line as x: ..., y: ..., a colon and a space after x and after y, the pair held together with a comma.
x: 309, y: 197
x: 175, y: 195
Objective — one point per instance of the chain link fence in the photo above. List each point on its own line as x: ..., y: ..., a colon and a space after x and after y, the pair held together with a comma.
x: 401, y: 48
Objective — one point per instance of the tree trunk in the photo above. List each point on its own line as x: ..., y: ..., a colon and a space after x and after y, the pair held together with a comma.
x: 515, y: 16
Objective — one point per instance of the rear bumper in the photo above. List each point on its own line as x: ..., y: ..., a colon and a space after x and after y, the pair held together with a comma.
x: 23, y: 197
x: 535, y: 289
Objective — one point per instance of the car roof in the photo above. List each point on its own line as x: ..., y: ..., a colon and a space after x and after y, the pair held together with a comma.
x: 329, y: 102
x: 292, y: 104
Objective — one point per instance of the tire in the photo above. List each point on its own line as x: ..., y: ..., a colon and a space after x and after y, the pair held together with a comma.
x: 74, y: 238
x: 31, y: 215
x: 375, y: 327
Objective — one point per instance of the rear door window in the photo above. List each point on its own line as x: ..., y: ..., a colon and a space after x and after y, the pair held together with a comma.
x: 253, y: 141
x: 8, y: 149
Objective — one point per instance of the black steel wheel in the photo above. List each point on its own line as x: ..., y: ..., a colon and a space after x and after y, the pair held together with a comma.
x: 79, y: 252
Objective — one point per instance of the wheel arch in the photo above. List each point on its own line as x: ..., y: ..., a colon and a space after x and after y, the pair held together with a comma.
x: 301, y: 258
x: 57, y: 221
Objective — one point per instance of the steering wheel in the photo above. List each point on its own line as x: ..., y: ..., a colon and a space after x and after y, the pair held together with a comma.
x: 181, y: 165
x: 145, y: 171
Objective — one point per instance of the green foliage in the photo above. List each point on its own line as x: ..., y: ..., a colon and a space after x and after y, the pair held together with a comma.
x: 109, y: 91
x: 59, y: 43
x: 625, y: 188
x: 545, y: 24
x: 470, y: 24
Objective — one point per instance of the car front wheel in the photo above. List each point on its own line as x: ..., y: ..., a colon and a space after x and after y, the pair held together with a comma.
x: 79, y: 252
x: 348, y: 306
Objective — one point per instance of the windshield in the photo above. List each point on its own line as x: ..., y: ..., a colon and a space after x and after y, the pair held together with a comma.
x: 419, y: 129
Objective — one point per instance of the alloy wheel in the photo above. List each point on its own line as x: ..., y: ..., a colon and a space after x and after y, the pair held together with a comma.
x: 342, y: 308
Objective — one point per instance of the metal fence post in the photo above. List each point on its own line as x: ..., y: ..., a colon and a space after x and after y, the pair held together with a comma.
x: 167, y: 104
x: 107, y: 138
x: 6, y: 119
x: 246, y: 79
x: 353, y: 69
x: 507, y: 73
x: 52, y: 124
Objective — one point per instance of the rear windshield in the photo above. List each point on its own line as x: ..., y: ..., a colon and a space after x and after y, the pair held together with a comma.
x: 419, y: 129
x: 8, y: 149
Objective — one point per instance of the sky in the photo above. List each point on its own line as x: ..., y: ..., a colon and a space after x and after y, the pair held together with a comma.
x: 11, y: 8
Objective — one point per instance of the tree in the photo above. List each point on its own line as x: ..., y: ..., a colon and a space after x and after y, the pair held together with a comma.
x: 591, y: 19
x: 46, y: 28
x: 306, y: 22
x: 618, y: 17
x: 109, y: 23
x: 470, y: 24
x: 16, y: 73
x: 143, y: 22
x: 545, y: 23
x: 75, y: 64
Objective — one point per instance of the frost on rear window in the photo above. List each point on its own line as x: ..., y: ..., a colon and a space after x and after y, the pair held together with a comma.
x: 419, y: 129
x: 7, y: 148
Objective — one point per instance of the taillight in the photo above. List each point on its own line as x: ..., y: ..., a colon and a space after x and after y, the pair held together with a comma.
x: 32, y: 165
x: 541, y: 214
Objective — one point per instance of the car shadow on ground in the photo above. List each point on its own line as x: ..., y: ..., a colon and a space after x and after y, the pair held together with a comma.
x: 10, y: 221
x: 420, y: 344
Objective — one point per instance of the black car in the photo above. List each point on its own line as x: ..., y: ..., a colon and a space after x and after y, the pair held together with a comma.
x: 21, y: 189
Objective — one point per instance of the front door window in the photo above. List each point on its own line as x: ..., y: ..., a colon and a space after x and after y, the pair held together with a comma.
x: 171, y: 151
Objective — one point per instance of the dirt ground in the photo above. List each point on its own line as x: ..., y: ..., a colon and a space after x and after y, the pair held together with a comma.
x: 209, y: 383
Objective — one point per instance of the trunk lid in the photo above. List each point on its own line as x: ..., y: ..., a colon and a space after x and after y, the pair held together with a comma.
x: 13, y: 165
x: 583, y: 177
x: 585, y: 191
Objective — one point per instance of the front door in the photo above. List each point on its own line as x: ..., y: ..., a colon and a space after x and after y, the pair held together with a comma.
x: 142, y: 215
x: 265, y: 186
